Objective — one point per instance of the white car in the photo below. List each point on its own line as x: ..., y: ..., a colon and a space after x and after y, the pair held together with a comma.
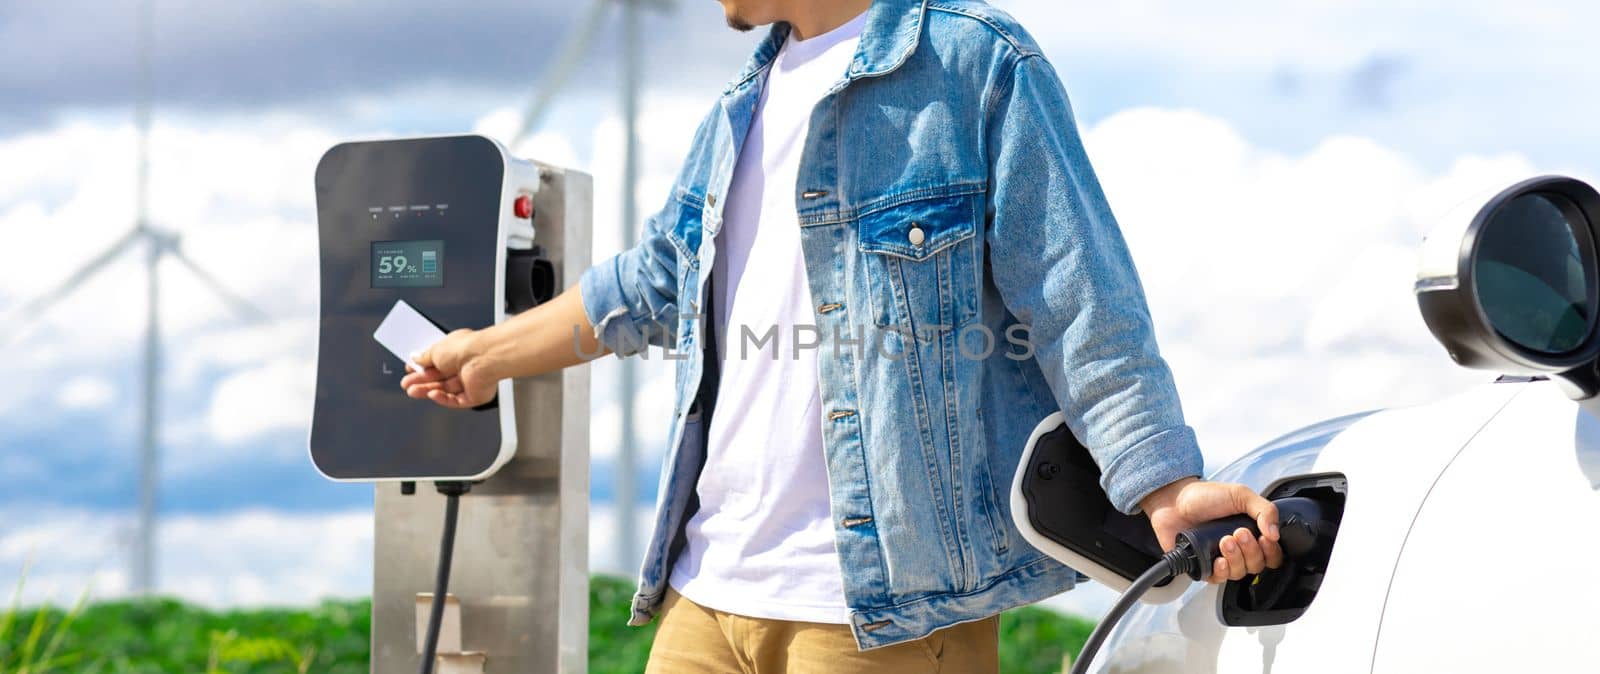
x: 1462, y: 530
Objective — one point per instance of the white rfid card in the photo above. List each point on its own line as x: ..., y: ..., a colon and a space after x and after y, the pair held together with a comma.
x: 406, y: 331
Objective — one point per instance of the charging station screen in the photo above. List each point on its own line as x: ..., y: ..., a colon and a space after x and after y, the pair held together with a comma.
x: 408, y: 264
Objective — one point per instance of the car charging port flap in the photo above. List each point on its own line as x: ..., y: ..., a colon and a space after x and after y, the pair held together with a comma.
x: 1281, y: 595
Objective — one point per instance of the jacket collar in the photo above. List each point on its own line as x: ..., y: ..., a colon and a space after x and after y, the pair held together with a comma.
x: 891, y: 33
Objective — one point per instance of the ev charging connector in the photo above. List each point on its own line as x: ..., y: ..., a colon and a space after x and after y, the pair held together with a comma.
x: 1305, y: 532
x: 1059, y: 506
x: 467, y: 235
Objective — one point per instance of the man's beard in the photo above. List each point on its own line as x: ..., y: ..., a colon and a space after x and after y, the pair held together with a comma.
x: 740, y: 24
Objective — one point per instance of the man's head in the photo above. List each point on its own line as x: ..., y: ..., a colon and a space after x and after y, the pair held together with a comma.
x: 744, y: 15
x: 808, y: 18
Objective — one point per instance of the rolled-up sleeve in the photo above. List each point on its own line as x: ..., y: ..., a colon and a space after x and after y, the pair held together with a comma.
x: 1062, y: 267
x: 631, y: 298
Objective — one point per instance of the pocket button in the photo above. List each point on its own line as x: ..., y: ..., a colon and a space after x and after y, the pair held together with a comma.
x: 915, y: 236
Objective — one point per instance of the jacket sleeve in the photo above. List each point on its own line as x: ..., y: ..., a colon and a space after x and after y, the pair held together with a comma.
x: 1062, y: 268
x: 632, y: 298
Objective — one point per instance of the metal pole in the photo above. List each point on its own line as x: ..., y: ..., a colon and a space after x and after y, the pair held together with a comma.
x: 144, y: 574
x: 521, y: 568
x: 571, y: 56
x: 144, y: 577
x: 628, y: 456
x: 141, y: 115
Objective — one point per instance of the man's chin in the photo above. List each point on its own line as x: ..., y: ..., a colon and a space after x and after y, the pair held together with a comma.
x: 739, y: 24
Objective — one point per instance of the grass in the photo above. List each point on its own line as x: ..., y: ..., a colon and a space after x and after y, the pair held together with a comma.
x: 1035, y: 640
x: 164, y: 635
x: 167, y: 636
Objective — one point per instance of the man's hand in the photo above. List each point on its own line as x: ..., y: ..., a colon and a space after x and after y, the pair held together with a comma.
x: 454, y: 373
x: 1192, y: 501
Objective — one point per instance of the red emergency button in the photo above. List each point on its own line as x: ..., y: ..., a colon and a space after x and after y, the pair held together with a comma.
x: 523, y: 207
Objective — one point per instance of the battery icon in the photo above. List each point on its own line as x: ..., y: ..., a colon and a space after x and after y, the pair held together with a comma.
x: 430, y: 261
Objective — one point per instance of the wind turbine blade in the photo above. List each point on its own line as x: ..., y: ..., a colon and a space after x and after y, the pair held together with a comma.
x: 247, y: 311
x: 571, y: 54
x: 30, y: 311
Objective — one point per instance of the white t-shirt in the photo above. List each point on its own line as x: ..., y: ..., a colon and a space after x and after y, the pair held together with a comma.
x: 762, y: 542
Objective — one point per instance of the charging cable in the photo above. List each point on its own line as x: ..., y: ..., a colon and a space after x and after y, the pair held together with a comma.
x: 1302, y: 531
x: 441, y: 584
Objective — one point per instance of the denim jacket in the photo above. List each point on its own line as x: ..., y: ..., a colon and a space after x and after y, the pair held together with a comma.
x: 965, y: 265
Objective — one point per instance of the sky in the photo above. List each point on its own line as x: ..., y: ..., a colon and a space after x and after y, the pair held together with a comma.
x: 1273, y: 167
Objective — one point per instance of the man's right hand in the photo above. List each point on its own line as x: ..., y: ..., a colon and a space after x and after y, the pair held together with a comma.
x: 454, y: 373
x: 462, y: 370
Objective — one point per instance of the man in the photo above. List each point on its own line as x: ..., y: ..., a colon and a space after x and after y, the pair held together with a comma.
x: 887, y: 192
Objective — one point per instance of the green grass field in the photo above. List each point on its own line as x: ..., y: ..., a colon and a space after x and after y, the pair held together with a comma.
x: 166, y: 636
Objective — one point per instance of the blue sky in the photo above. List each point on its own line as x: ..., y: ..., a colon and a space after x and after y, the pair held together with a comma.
x: 1273, y: 167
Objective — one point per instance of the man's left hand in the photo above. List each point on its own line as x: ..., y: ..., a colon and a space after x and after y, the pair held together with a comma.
x: 1192, y: 501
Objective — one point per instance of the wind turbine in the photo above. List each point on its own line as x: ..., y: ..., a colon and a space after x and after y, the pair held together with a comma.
x: 158, y: 243
x: 577, y: 45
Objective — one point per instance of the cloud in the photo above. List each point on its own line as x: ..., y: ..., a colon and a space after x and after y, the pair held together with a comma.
x: 247, y: 557
x: 209, y: 55
x: 233, y: 56
x: 270, y: 397
x: 1280, y: 285
x: 1453, y: 77
x: 86, y: 392
x: 240, y: 199
x: 1321, y: 36
x: 1370, y: 83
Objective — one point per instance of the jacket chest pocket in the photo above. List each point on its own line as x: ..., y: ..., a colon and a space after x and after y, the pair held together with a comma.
x: 921, y: 263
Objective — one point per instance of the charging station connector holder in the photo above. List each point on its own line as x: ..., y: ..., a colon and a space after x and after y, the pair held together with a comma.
x: 530, y: 279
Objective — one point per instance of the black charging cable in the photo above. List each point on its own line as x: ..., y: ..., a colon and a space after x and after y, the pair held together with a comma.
x: 1303, y: 531
x: 1169, y: 566
x: 441, y: 584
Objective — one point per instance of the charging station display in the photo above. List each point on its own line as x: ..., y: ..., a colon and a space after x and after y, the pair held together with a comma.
x: 408, y: 264
x: 388, y: 213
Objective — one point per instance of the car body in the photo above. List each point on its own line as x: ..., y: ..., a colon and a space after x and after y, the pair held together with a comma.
x: 1447, y: 501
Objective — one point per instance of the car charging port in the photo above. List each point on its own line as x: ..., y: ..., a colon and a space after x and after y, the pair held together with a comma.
x: 1277, y: 596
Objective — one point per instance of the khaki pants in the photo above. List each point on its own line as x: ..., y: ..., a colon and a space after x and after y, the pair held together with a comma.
x: 693, y: 639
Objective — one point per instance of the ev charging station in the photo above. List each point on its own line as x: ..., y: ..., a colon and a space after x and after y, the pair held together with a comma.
x: 467, y: 235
